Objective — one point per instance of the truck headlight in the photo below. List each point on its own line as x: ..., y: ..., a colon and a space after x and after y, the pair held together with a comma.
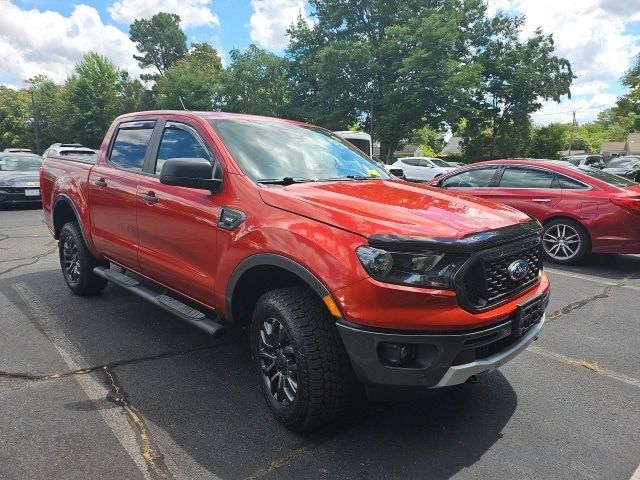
x: 420, y: 269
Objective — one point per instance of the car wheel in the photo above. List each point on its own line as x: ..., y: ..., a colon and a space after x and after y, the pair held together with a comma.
x: 304, y: 370
x: 565, y: 241
x: 77, y: 262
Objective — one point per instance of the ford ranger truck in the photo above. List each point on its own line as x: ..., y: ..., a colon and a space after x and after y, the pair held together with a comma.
x: 341, y: 273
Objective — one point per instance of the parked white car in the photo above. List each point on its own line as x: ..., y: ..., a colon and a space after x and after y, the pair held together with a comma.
x: 422, y: 169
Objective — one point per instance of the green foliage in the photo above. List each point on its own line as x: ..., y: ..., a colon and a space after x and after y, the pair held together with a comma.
x: 191, y: 81
x: 255, y: 83
x: 92, y: 99
x: 430, y: 141
x: 548, y: 141
x: 160, y: 40
x: 516, y: 76
x: 15, y: 118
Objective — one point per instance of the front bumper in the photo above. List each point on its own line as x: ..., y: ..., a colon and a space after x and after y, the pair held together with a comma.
x: 17, y: 195
x: 439, y: 360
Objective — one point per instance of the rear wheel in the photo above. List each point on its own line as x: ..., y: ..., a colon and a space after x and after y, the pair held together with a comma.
x: 565, y: 241
x: 304, y: 370
x: 77, y: 262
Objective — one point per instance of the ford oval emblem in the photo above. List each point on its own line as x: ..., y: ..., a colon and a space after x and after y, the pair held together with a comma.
x: 518, y: 270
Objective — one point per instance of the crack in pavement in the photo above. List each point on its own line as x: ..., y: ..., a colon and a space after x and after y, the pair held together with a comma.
x: 605, y: 293
x: 111, y: 365
x: 34, y: 260
x: 155, y: 461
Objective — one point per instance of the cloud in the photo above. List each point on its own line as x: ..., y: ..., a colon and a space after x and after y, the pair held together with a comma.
x: 44, y: 42
x: 270, y: 20
x: 591, y: 35
x: 193, y: 13
x: 586, y: 108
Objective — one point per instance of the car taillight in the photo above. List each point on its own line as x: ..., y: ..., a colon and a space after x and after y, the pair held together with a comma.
x: 632, y: 204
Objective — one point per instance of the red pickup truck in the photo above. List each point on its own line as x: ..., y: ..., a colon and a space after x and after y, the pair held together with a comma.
x: 343, y: 273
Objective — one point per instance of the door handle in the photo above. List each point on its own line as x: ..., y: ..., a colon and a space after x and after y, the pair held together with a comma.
x: 100, y: 182
x: 149, y: 197
x: 541, y: 200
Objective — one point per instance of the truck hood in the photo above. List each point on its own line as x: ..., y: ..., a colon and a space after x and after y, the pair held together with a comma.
x: 389, y: 207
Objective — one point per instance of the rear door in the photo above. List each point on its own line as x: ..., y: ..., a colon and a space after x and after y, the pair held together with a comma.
x: 534, y: 191
x: 178, y: 225
x: 113, y: 184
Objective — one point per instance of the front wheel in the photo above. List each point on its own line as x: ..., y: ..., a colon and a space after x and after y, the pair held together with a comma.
x: 77, y: 262
x: 565, y: 241
x: 304, y: 370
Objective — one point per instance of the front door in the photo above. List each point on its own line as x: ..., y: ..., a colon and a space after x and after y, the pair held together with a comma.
x: 177, y: 226
x: 112, y: 187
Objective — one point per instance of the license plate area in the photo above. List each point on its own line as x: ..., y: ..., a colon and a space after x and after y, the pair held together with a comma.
x: 528, y: 314
x: 32, y: 192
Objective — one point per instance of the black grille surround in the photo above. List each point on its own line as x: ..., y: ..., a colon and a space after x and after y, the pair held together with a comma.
x: 483, y: 281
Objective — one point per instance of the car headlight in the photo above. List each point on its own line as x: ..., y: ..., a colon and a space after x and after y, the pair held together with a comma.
x: 420, y: 269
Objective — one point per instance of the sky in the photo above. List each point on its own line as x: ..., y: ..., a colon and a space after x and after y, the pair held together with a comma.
x: 599, y: 37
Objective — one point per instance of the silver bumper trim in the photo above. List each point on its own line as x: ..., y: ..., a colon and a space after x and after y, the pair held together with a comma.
x: 458, y: 374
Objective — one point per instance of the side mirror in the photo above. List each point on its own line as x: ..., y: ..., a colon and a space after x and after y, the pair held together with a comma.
x: 190, y: 172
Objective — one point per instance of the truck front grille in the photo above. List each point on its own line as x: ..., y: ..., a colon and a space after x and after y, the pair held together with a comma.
x: 485, y: 281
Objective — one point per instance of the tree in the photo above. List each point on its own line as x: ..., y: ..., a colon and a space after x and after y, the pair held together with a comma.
x: 160, y: 41
x: 516, y: 76
x: 50, y: 117
x: 549, y: 140
x: 15, y: 118
x: 191, y: 82
x: 410, y: 62
x: 255, y: 83
x: 92, y: 99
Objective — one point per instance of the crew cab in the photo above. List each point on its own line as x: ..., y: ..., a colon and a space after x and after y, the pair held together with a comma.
x: 342, y: 273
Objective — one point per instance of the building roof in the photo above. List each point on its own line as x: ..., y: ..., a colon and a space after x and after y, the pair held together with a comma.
x: 453, y: 147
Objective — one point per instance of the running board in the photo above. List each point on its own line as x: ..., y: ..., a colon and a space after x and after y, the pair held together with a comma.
x: 176, y: 307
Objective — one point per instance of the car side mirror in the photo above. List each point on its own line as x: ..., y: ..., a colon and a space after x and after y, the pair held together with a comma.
x: 192, y: 173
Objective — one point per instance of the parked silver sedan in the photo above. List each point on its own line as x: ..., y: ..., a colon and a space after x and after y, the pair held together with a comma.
x: 19, y: 178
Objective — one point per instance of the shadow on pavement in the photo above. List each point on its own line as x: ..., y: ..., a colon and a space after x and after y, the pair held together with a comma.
x: 207, y: 399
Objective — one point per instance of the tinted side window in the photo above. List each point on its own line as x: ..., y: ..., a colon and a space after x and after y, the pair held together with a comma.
x: 130, y: 146
x: 411, y: 161
x: 479, y: 177
x: 425, y: 163
x: 178, y: 143
x: 516, y: 177
x: 570, y: 184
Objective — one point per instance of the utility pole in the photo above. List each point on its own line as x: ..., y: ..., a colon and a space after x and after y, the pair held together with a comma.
x: 371, y: 119
x: 35, y: 124
x: 573, y: 127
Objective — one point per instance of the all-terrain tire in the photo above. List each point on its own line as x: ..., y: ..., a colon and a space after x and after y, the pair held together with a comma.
x: 309, y: 340
x: 77, y: 262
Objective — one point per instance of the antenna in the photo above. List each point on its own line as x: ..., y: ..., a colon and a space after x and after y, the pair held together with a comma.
x: 181, y: 102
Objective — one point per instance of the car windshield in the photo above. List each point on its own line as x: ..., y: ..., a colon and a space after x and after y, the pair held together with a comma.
x: 439, y: 163
x: 268, y: 150
x: 631, y: 162
x: 20, y: 163
x: 607, y: 177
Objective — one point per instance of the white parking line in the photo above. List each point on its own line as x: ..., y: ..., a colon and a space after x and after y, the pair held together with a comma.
x: 636, y: 474
x: 97, y: 392
x: 579, y: 276
x: 621, y: 377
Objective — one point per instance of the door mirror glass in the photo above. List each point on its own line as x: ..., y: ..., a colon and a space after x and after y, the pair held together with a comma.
x: 190, y: 172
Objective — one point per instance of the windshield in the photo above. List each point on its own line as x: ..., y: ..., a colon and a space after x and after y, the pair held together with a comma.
x: 20, y: 163
x: 607, y: 177
x: 632, y: 162
x: 440, y: 163
x: 267, y: 150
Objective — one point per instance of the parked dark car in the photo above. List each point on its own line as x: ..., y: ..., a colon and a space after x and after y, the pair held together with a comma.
x: 593, y: 161
x: 582, y: 209
x: 628, y: 167
x: 19, y: 180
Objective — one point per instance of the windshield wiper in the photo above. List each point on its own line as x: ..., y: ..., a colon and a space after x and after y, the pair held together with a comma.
x: 349, y: 177
x: 284, y: 180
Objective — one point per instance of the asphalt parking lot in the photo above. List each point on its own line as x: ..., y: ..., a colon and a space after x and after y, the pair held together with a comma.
x: 110, y: 387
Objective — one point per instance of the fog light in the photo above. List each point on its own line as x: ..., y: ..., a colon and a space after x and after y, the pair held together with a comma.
x: 396, y: 354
